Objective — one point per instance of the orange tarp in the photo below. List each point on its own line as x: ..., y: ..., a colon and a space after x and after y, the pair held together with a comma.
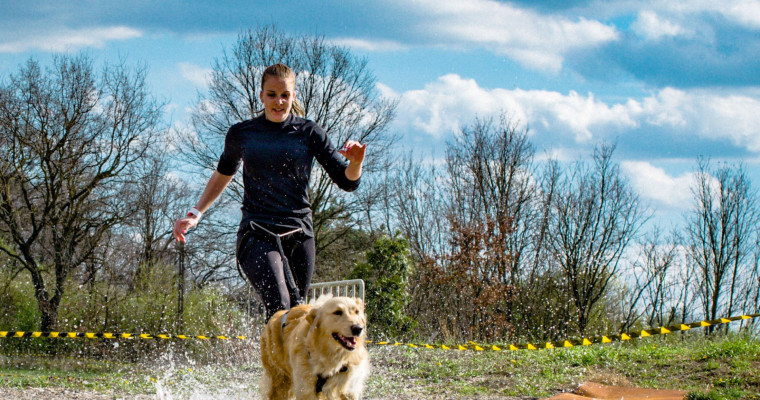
x: 591, y: 390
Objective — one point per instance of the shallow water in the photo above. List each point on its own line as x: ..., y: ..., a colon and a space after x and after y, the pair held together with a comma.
x: 187, y: 380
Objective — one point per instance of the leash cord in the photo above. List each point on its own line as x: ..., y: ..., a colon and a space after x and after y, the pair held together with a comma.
x: 289, y: 280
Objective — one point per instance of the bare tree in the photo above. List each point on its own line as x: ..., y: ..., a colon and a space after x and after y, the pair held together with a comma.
x: 490, y: 172
x: 595, y: 216
x: 721, y: 231
x: 336, y: 89
x: 416, y: 197
x: 752, y: 294
x: 156, y: 198
x: 539, y: 299
x: 487, y: 205
x: 67, y: 139
x: 655, y: 295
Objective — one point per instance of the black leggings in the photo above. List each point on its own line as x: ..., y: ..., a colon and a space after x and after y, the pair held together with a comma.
x: 260, y: 259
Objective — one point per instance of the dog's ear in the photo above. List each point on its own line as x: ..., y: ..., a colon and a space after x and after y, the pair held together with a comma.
x: 312, y: 315
x: 359, y: 303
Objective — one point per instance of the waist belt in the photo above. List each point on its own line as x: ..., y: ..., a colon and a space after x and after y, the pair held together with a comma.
x: 289, y: 280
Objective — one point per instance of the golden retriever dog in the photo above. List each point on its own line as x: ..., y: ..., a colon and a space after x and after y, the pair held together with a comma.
x: 316, y: 351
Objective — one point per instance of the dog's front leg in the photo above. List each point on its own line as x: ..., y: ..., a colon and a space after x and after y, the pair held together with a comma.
x: 275, y: 385
x: 351, y: 386
x: 305, y: 392
x: 305, y: 388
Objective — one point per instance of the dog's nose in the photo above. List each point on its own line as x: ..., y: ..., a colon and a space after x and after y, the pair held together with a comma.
x: 356, y: 330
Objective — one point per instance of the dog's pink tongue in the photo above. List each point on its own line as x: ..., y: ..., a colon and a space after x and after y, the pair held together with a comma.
x: 349, y: 342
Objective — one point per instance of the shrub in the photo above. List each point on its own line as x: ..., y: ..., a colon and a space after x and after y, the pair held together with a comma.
x: 386, y: 275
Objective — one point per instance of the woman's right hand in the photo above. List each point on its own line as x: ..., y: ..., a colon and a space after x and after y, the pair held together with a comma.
x: 182, y: 225
x: 214, y: 188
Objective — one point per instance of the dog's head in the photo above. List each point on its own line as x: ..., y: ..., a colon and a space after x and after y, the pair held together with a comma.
x: 342, y: 319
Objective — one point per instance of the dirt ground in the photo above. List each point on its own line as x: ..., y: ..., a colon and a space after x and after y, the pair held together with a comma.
x: 68, y: 394
x: 62, y: 393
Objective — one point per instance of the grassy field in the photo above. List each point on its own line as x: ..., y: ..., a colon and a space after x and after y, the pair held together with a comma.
x: 721, y: 367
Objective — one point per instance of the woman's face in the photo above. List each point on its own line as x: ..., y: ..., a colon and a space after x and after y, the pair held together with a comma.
x: 278, y: 95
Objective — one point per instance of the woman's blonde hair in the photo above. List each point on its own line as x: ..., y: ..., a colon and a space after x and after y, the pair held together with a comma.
x: 282, y: 71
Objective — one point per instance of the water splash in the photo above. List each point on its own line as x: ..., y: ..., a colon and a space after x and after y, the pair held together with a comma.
x: 183, y: 379
x: 191, y: 388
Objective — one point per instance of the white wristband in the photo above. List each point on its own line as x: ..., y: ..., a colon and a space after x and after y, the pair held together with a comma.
x: 194, y: 211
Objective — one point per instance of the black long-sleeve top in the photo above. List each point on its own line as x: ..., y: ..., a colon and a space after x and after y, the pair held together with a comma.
x: 277, y: 160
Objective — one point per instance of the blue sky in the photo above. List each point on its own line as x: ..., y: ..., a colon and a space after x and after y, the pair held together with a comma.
x: 666, y: 81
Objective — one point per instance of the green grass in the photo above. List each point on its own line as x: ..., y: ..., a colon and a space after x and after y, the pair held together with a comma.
x: 22, y: 371
x: 721, y: 367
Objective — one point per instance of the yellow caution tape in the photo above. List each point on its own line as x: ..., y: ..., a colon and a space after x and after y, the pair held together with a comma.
x: 471, y: 345
x: 594, y: 340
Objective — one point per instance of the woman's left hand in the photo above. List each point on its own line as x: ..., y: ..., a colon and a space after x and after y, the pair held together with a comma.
x: 353, y: 151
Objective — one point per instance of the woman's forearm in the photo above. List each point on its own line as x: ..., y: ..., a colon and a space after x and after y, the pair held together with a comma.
x: 354, y: 171
x: 214, y: 188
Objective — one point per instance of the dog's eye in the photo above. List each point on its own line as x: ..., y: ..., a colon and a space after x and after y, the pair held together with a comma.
x: 339, y: 312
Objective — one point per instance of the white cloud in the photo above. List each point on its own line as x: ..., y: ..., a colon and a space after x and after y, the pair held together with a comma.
x: 199, y: 76
x: 745, y: 12
x: 650, y: 26
x: 445, y: 105
x: 59, y: 40
x: 561, y: 154
x: 705, y: 114
x: 386, y: 91
x: 369, y: 45
x: 655, y: 184
x: 535, y: 40
x: 742, y: 12
x: 581, y: 115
